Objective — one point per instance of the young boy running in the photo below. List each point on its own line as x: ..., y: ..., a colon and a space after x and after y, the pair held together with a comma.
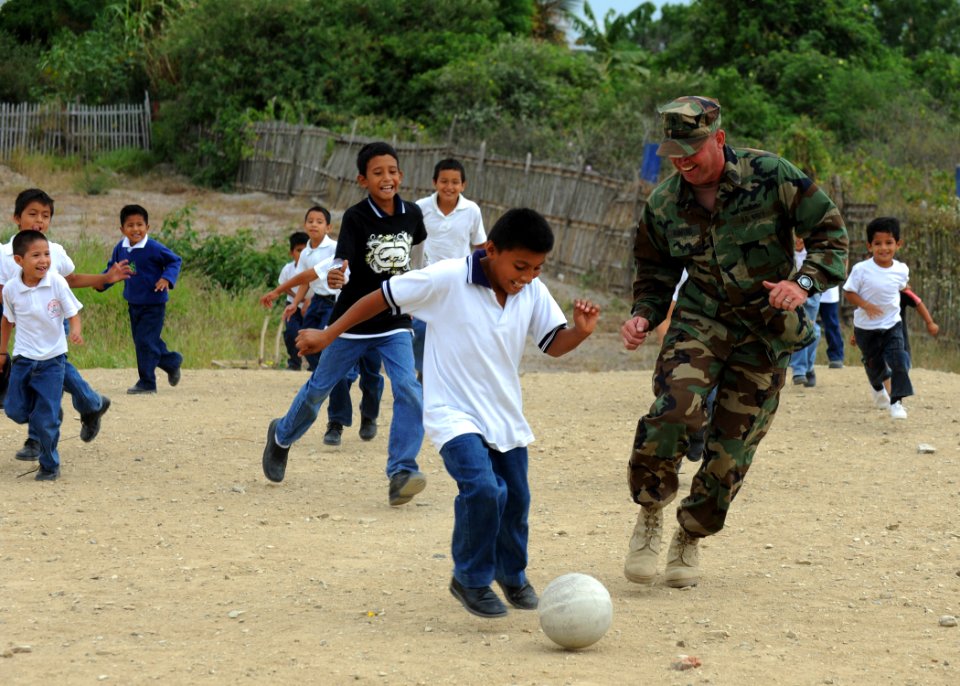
x: 376, y: 238
x: 37, y: 302
x: 33, y: 209
x: 156, y: 270
x: 874, y: 286
x: 480, y: 310
x: 293, y: 323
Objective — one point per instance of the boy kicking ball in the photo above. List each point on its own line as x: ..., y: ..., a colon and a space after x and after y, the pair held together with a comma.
x: 479, y: 310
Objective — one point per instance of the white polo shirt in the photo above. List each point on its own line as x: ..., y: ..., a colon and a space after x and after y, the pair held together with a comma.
x: 473, y: 348
x: 879, y: 286
x: 288, y: 272
x: 310, y: 257
x: 38, y: 312
x: 451, y: 235
x: 9, y: 269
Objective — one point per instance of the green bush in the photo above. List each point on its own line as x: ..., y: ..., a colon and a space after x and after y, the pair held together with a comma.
x: 129, y: 161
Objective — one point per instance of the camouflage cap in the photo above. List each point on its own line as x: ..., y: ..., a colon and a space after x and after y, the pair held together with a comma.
x: 688, y: 122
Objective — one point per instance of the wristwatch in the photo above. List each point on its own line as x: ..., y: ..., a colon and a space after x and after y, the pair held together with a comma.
x: 806, y: 283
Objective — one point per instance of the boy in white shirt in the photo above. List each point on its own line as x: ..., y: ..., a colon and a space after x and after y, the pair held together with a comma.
x: 33, y: 209
x: 874, y: 286
x: 480, y: 310
x: 38, y: 301
x: 454, y: 229
x: 298, y: 241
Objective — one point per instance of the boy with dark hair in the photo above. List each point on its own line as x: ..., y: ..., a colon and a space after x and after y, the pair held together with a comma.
x: 376, y: 238
x: 33, y: 209
x: 293, y: 322
x: 480, y: 310
x: 37, y: 301
x: 156, y: 269
x: 874, y: 286
x: 454, y: 228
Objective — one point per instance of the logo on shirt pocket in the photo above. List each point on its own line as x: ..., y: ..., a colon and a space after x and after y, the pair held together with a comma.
x: 54, y: 309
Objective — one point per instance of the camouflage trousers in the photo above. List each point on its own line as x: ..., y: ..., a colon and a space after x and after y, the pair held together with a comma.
x: 748, y: 385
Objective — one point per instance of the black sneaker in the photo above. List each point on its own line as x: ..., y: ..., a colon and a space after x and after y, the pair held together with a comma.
x: 90, y: 423
x: 274, y: 457
x: 137, y: 389
x: 44, y: 474
x: 482, y: 602
x: 173, y: 376
x: 811, y: 379
x: 368, y: 429
x: 30, y: 450
x: 405, y: 485
x: 334, y: 433
x: 521, y: 597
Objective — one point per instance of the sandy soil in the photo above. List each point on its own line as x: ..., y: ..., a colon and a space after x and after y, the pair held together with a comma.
x: 163, y: 554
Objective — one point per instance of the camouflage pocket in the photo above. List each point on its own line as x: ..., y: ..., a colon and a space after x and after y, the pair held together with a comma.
x: 787, y: 331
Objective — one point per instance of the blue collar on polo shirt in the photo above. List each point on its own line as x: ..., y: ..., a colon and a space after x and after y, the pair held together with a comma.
x: 397, y: 206
x: 475, y: 273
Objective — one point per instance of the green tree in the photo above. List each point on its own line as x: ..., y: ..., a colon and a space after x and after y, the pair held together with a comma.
x: 916, y: 27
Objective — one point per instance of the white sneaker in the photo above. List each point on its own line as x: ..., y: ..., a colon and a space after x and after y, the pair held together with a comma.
x: 881, y: 399
x: 897, y: 411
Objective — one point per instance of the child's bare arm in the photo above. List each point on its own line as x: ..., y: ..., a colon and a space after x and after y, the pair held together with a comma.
x: 304, y: 277
x: 311, y: 341
x: 5, y: 328
x: 854, y: 299
x: 76, y: 330
x: 932, y: 327
x: 585, y: 316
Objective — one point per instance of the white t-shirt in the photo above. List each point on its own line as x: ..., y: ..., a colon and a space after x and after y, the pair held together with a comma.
x: 311, y: 256
x: 9, y: 269
x: 451, y: 235
x: 38, y: 312
x: 288, y: 272
x: 473, y: 348
x: 879, y: 286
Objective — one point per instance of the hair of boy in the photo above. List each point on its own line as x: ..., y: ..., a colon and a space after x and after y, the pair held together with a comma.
x: 371, y: 150
x: 889, y: 225
x: 450, y: 164
x: 522, y: 228
x: 298, y: 238
x: 318, y: 208
x: 26, y: 238
x: 28, y: 196
x: 132, y: 211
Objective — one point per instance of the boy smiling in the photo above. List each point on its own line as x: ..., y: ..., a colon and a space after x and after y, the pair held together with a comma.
x: 480, y: 310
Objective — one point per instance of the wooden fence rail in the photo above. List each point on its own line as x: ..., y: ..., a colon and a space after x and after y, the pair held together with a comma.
x: 71, y: 129
x: 593, y: 215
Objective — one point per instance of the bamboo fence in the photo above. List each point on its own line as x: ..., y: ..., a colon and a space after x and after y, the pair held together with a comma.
x: 72, y: 129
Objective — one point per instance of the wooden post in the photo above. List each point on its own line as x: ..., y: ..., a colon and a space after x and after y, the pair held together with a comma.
x: 342, y: 176
x: 564, y: 243
x: 295, y: 160
x: 526, y: 166
x: 481, y: 157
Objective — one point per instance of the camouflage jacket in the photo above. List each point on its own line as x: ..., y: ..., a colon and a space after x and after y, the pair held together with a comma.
x: 762, y: 202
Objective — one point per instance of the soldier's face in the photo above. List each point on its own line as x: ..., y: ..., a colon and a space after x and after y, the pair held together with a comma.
x: 705, y: 166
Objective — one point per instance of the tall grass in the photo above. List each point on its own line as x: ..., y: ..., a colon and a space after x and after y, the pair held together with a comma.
x: 204, y: 323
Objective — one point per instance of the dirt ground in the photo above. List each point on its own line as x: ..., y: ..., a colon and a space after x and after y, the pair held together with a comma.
x: 163, y: 554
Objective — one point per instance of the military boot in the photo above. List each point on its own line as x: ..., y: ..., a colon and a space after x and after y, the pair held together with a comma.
x: 683, y: 561
x: 641, y: 564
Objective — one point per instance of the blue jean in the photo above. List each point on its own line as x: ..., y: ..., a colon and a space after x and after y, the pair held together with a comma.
x: 802, y: 360
x: 884, y: 358
x: 490, y: 513
x: 146, y: 324
x: 830, y: 319
x: 340, y: 408
x: 419, y: 336
x: 33, y: 398
x: 290, y: 330
x: 406, y: 427
x: 317, y: 316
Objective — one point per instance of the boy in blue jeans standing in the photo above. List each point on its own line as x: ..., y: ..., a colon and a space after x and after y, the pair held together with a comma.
x: 376, y: 238
x: 293, y: 323
x: 479, y: 310
x: 37, y: 302
x: 156, y: 269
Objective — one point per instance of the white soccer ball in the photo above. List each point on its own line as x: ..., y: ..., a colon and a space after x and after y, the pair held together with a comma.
x: 575, y: 611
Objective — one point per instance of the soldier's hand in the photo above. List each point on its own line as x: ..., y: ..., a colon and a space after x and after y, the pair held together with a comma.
x: 785, y: 295
x: 634, y: 332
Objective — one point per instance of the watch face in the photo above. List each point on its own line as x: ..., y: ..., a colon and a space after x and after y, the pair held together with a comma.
x: 805, y: 282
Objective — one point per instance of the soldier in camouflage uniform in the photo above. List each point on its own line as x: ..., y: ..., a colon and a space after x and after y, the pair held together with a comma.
x: 729, y: 217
